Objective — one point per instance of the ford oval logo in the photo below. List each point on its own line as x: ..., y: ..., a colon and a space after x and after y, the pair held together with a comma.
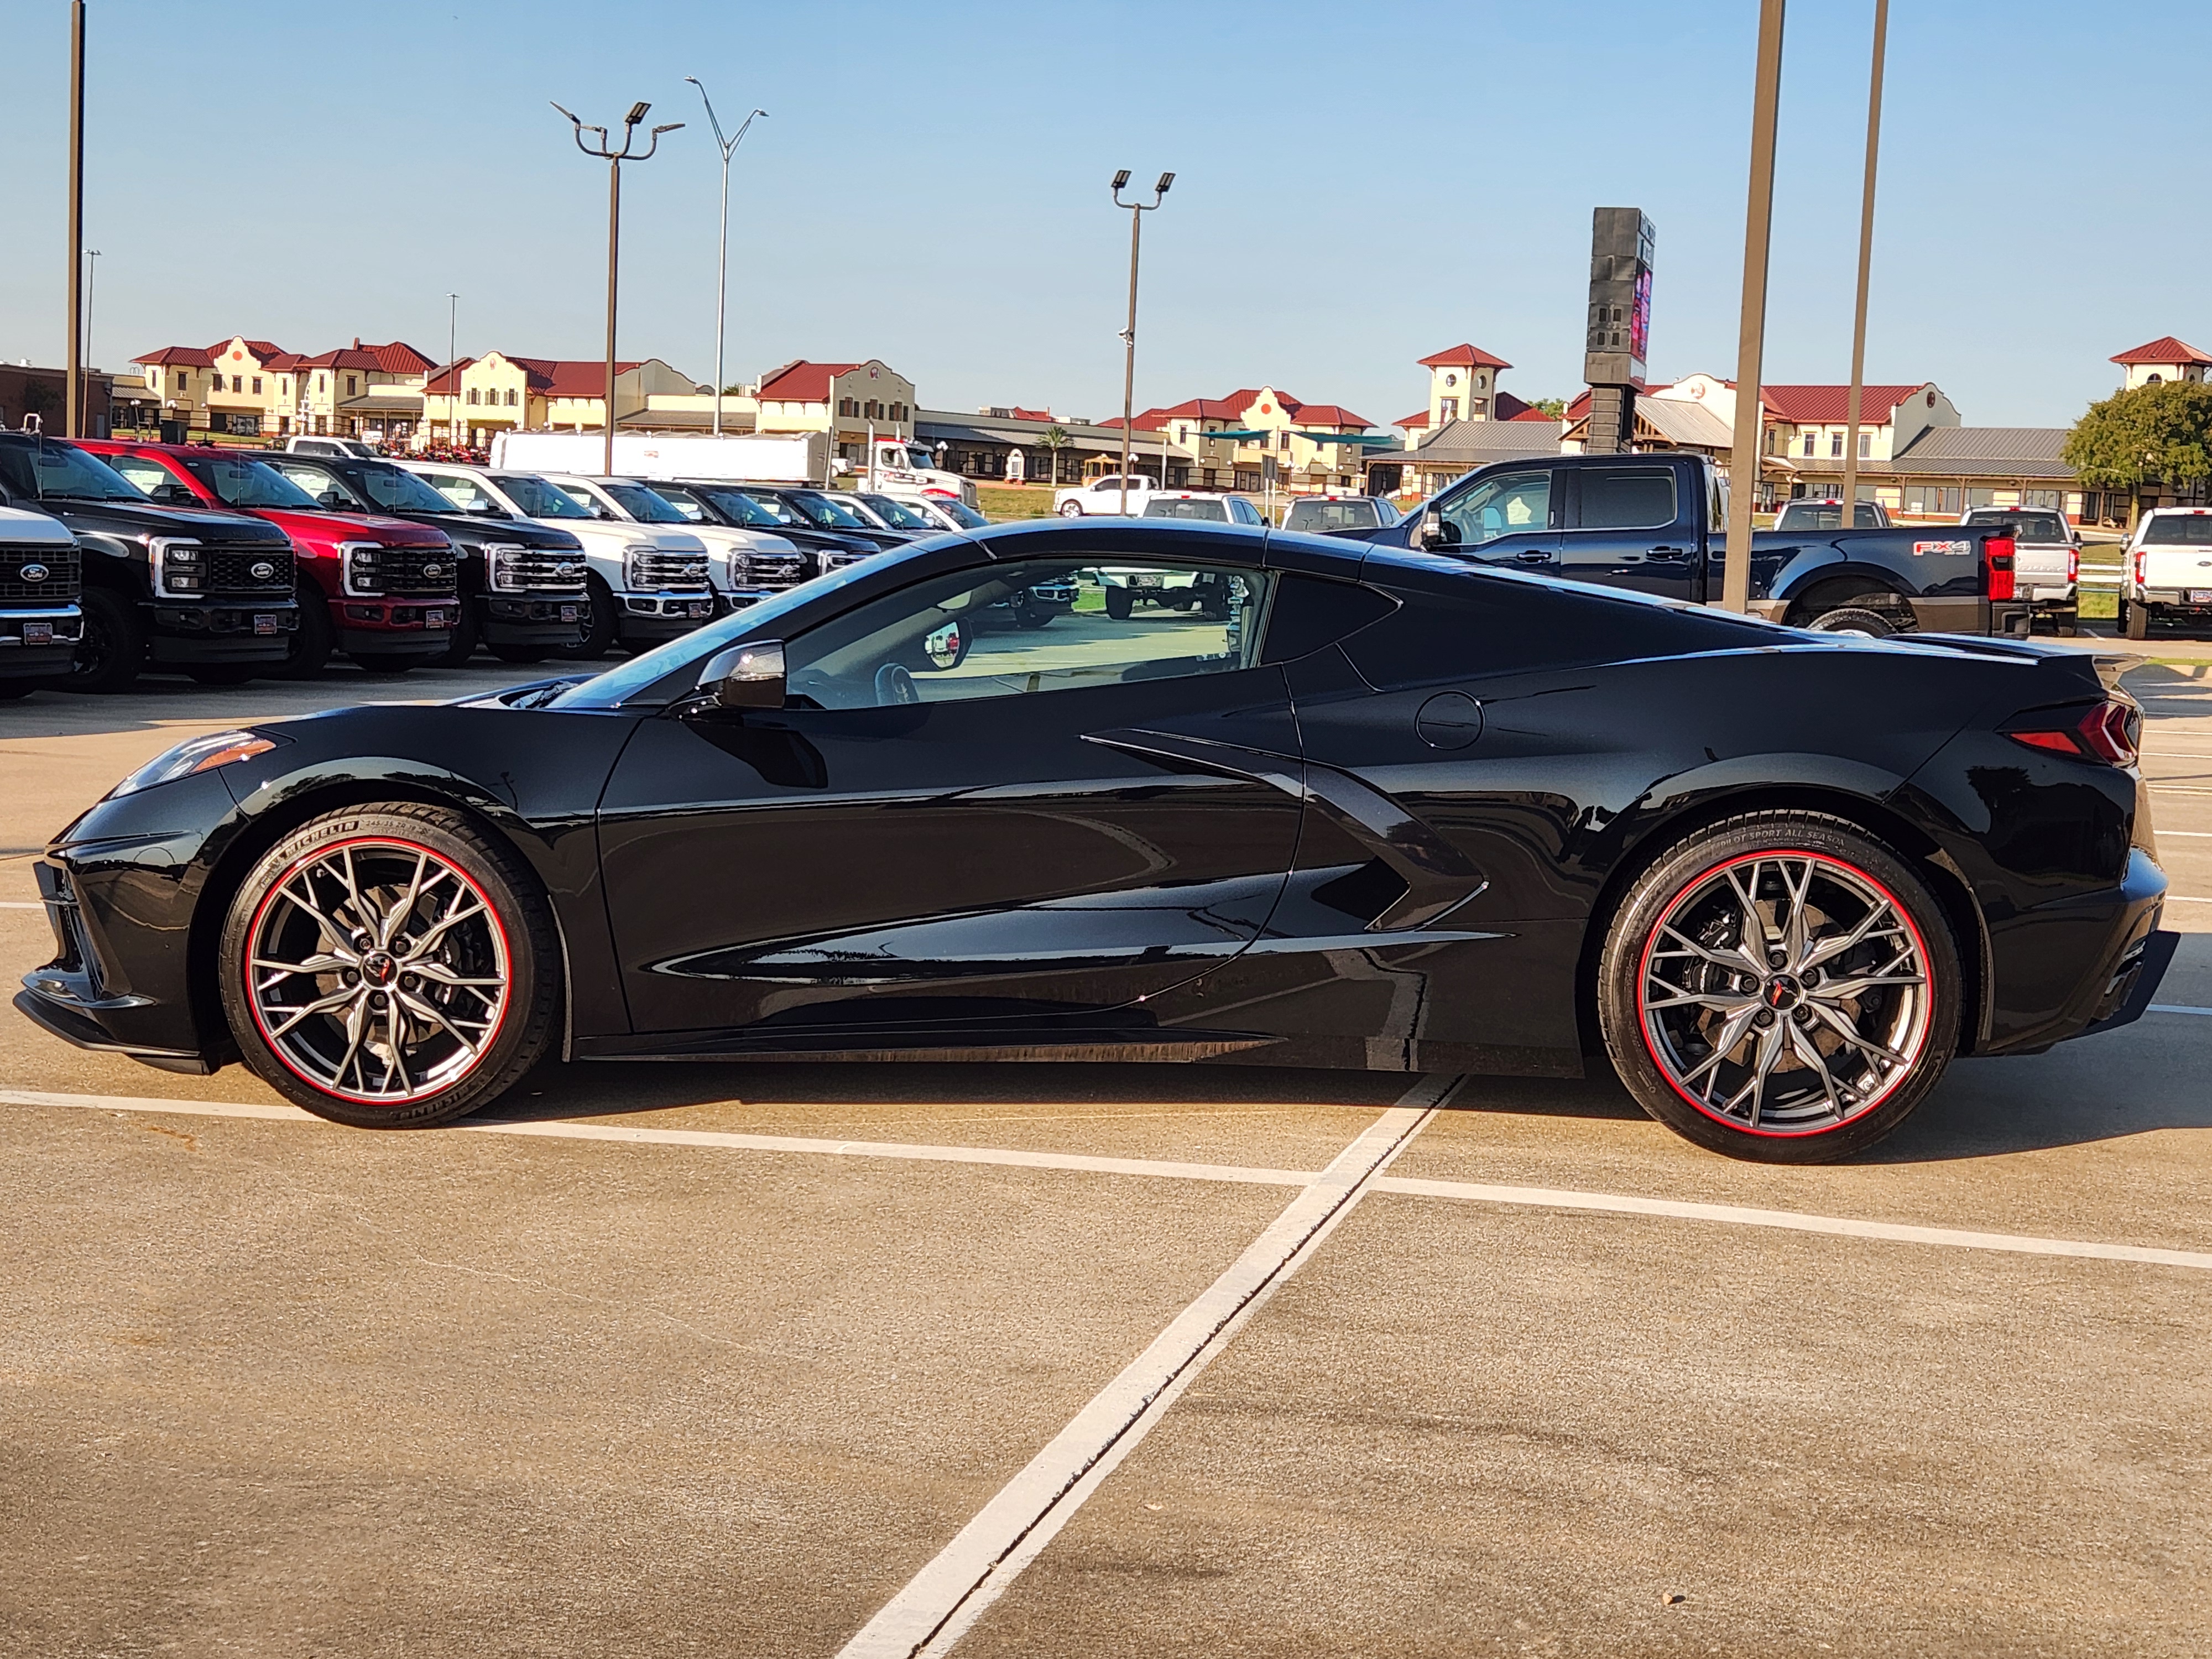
x: 434, y: 570
x: 34, y: 572
x: 565, y: 570
x: 261, y: 570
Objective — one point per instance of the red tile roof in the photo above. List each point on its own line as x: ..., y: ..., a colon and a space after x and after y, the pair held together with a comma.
x: 801, y: 382
x: 1414, y: 422
x: 342, y: 357
x: 398, y: 358
x: 2164, y: 350
x: 1464, y: 357
x: 183, y: 357
x: 1532, y: 414
x: 263, y: 350
x: 1820, y: 405
x: 442, y: 384
x: 1580, y: 406
x: 1330, y: 415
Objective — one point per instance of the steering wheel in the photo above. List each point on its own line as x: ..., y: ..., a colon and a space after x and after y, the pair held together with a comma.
x: 895, y: 685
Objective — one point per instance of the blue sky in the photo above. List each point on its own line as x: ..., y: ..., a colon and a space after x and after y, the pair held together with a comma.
x: 1356, y: 186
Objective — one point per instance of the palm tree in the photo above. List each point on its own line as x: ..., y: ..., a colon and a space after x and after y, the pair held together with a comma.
x: 1052, y: 440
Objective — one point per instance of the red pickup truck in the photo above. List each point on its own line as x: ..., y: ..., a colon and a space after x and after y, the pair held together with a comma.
x: 382, y: 590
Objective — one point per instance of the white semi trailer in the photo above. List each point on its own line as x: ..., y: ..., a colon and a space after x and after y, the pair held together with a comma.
x: 897, y: 467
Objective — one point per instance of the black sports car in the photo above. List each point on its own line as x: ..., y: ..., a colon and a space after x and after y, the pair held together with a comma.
x: 1387, y: 811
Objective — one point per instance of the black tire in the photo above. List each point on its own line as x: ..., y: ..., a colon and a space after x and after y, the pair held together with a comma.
x: 12, y: 688
x: 388, y: 662
x: 1817, y: 1115
x: 596, y: 635
x: 1120, y: 602
x: 2068, y: 623
x: 113, y: 649
x: 2135, y: 619
x: 515, y: 947
x: 309, y: 648
x: 1067, y: 509
x: 519, y: 653
x: 221, y: 673
x: 468, y: 629
x: 1853, y: 619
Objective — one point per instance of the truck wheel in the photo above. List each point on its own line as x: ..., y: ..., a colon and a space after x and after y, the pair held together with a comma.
x: 1781, y: 987
x: 1853, y: 619
x: 11, y: 689
x: 390, y: 967
x: 2068, y: 623
x: 113, y: 647
x: 1071, y: 509
x: 2135, y: 619
x: 517, y: 653
x: 1120, y: 602
x: 221, y: 673
x: 467, y: 631
x: 597, y: 633
x: 309, y: 648
x: 386, y: 662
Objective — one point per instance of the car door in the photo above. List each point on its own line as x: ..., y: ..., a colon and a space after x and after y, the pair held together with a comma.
x: 956, y: 821
x: 1510, y: 517
x: 1631, y: 526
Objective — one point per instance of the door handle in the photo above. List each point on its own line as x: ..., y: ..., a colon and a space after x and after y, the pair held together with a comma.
x: 1670, y: 552
x: 1532, y: 558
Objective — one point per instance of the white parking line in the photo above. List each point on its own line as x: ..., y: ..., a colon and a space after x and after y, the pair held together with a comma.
x: 23, y: 904
x: 946, y: 1596
x: 2176, y: 1008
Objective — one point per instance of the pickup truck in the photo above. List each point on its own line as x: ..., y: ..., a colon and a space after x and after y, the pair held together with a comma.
x: 207, y: 592
x: 1657, y: 524
x: 1827, y: 513
x: 646, y: 582
x: 731, y: 550
x: 39, y: 620
x: 2167, y: 576
x: 380, y: 589
x: 2046, y: 567
x: 1103, y: 496
x: 521, y: 585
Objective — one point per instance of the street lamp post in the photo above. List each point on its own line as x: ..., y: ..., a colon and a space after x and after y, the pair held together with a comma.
x: 1751, y: 328
x: 729, y: 147
x: 73, y: 394
x: 614, y: 159
x: 453, y: 369
x: 91, y: 272
x: 1137, y: 212
x: 1849, y: 514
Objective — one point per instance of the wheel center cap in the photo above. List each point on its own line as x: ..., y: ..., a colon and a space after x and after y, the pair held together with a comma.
x: 1782, y: 993
x: 378, y: 968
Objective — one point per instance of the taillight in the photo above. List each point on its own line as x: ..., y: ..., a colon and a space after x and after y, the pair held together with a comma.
x: 2073, y: 565
x: 2140, y: 557
x: 2111, y: 731
x: 1997, y: 555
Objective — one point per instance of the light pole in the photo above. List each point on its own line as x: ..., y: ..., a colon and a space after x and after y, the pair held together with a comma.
x: 1849, y: 515
x: 1137, y: 212
x: 73, y: 396
x: 91, y: 272
x: 729, y: 147
x: 1751, y: 327
x: 614, y: 159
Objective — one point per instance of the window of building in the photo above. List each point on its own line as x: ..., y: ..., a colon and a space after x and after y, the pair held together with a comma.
x: 847, y: 406
x: 476, y: 395
x: 1835, y: 446
x: 1448, y: 409
x: 353, y: 383
x: 1285, y: 440
x: 283, y: 386
x: 257, y: 385
x: 1808, y: 443
x: 322, y: 383
x: 238, y: 383
x: 510, y: 396
x: 1866, y: 444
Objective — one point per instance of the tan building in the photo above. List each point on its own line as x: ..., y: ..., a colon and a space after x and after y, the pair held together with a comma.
x: 243, y: 387
x: 1225, y: 443
x: 842, y: 399
x: 2161, y: 361
x: 500, y: 392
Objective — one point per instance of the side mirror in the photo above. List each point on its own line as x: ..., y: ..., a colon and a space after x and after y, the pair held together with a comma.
x: 1429, y: 531
x: 745, y: 676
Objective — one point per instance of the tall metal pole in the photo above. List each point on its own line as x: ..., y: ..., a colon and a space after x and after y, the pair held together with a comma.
x: 452, y: 368
x: 73, y: 406
x: 729, y: 148
x: 1137, y: 212
x: 1751, y: 328
x: 1850, y: 511
x: 614, y: 159
x: 91, y: 282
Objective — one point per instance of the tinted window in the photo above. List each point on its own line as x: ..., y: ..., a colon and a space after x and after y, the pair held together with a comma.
x: 2033, y: 526
x: 464, y: 492
x: 643, y: 505
x: 143, y: 471
x: 249, y: 483
x: 1628, y: 498
x: 684, y: 501
x: 895, y: 514
x: 1214, y: 512
x: 1312, y: 611
x: 1504, y: 505
x: 538, y: 499
x: 59, y: 469
x: 396, y: 491
x: 1320, y: 516
x: 957, y: 638
x: 2183, y: 530
x: 320, y: 482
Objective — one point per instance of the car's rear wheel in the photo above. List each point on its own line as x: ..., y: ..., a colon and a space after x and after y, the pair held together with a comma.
x: 1119, y: 603
x: 390, y: 967
x: 1781, y: 987
x: 1853, y: 619
x: 2135, y: 619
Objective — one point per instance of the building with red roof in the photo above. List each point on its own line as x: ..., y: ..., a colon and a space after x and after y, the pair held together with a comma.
x: 2163, y: 360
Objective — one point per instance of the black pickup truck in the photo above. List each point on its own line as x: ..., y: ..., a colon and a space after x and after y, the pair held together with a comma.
x: 206, y: 591
x: 1657, y: 524
x: 39, y: 620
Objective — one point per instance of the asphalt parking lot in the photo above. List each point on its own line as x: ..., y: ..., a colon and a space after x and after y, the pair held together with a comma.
x: 742, y: 1360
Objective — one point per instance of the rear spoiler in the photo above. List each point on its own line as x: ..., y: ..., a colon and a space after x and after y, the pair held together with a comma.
x: 2107, y: 665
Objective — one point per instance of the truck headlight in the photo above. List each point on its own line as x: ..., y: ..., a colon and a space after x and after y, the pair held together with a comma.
x: 634, y: 564
x: 180, y: 567
x: 503, y: 566
x: 359, y: 569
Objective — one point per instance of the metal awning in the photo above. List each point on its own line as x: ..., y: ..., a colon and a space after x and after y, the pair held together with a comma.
x: 1363, y: 440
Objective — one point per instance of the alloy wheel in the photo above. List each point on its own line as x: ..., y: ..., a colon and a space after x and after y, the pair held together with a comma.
x: 1784, y: 994
x: 378, y: 972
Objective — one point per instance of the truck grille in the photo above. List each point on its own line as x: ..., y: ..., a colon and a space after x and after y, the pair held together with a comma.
x: 232, y: 570
x: 400, y: 570
x: 60, y: 582
x: 541, y: 568
x: 777, y: 569
x: 669, y: 571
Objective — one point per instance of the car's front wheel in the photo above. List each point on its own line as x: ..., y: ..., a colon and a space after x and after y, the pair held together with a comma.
x: 390, y: 967
x: 1071, y: 509
x: 1781, y: 987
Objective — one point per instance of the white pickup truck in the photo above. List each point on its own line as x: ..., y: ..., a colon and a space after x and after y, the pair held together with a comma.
x: 1104, y: 495
x: 731, y: 550
x: 2046, y: 565
x: 648, y: 582
x: 2168, y: 575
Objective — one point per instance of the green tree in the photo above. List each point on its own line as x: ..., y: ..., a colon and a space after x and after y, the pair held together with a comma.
x: 1052, y: 440
x: 2162, y: 432
x: 1554, y: 407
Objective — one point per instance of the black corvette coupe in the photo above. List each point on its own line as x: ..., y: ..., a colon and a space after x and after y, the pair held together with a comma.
x: 1375, y: 808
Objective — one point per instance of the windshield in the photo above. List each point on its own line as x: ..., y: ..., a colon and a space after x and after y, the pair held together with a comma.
x: 897, y: 515
x: 961, y: 513
x: 1826, y: 515
x: 538, y: 499
x: 643, y: 505
x: 773, y: 506
x: 2182, y: 530
x: 1216, y: 511
x: 828, y: 512
x: 249, y: 483
x: 2033, y: 526
x: 686, y: 504
x: 62, y: 472
x: 920, y: 460
x: 396, y: 491
x: 628, y: 679
x: 1332, y: 515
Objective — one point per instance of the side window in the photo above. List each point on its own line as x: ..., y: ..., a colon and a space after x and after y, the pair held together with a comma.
x: 1628, y: 498
x: 327, y: 488
x: 1502, y: 506
x: 1019, y: 629
x: 141, y: 473
x: 462, y: 491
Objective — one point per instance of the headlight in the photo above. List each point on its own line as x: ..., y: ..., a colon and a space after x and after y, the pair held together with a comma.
x: 359, y: 568
x: 201, y: 754
x: 634, y: 563
x: 180, y: 567
x: 503, y: 566
x: 736, y: 569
